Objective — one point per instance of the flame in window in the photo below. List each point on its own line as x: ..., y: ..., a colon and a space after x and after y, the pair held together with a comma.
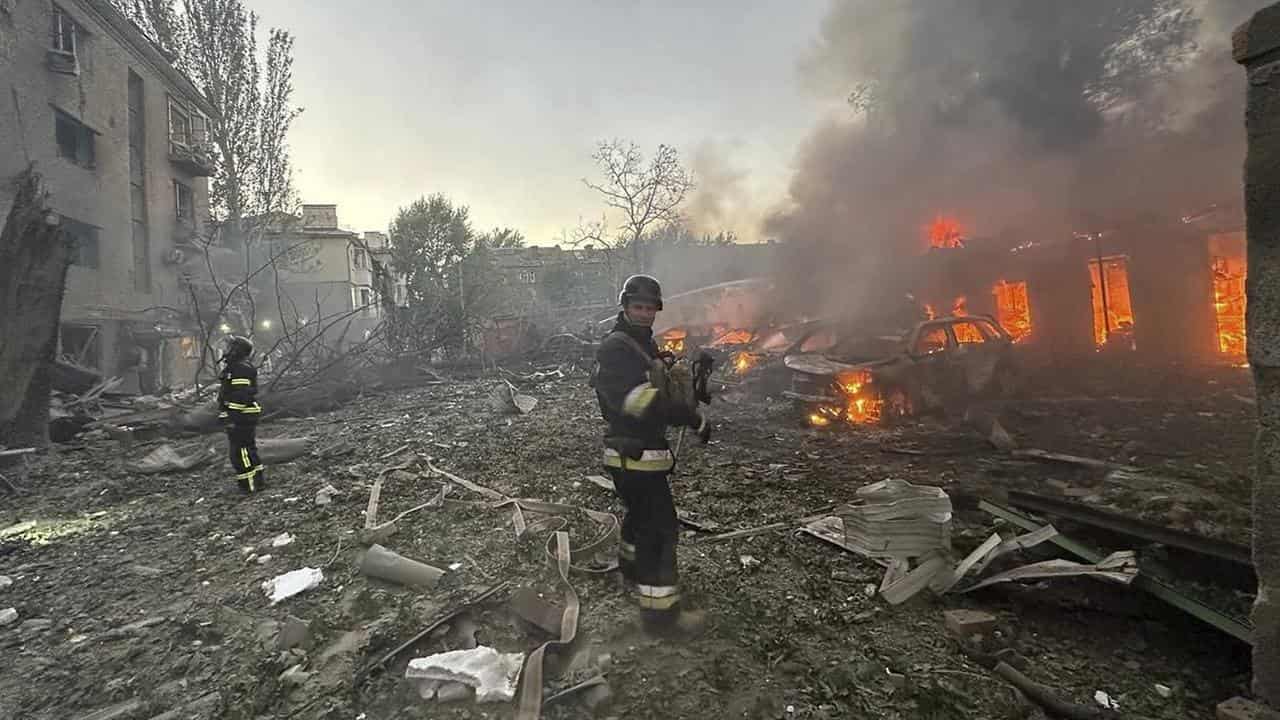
x: 1013, y: 308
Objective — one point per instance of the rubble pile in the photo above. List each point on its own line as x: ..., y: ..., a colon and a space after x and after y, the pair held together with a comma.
x: 172, y: 594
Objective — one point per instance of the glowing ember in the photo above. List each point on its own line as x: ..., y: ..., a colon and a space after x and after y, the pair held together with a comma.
x: 944, y: 232
x: 744, y: 361
x: 673, y: 341
x: 1013, y: 308
x: 818, y: 419
x: 1229, y: 273
x: 1111, y: 291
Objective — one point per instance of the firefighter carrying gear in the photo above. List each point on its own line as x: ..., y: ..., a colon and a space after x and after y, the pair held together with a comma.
x: 239, y: 411
x: 638, y: 457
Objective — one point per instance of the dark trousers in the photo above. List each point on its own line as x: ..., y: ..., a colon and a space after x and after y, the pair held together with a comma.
x: 650, y: 531
x: 242, y: 442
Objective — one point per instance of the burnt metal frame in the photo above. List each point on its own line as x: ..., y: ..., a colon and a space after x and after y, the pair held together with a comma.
x: 1200, y: 611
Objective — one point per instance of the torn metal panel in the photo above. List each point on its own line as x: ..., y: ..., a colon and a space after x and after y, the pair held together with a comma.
x: 1133, y: 527
x: 1231, y: 626
x: 1121, y: 567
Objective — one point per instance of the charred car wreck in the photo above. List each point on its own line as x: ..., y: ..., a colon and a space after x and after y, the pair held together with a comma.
x: 941, y: 366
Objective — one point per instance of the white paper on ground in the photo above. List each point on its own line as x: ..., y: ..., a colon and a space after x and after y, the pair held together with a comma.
x: 285, y: 586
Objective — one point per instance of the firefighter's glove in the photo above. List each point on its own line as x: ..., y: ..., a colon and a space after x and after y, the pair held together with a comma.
x: 704, y: 429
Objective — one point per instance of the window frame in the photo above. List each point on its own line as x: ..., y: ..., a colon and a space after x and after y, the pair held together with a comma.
x: 77, y: 231
x: 948, y: 343
x: 984, y: 332
x: 177, y: 111
x: 86, y: 139
x: 60, y: 32
x: 178, y: 187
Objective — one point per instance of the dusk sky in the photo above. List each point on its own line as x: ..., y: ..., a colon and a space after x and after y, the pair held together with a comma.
x: 499, y: 105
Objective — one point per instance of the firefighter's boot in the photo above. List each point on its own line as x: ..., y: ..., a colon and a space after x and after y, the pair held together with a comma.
x: 676, y: 624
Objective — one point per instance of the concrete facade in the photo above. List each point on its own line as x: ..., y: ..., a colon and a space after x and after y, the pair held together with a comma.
x: 79, y: 75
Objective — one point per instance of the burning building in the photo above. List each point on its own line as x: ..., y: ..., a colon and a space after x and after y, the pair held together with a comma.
x: 1171, y: 292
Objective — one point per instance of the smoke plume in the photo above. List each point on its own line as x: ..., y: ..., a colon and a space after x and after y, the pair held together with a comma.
x: 1022, y: 119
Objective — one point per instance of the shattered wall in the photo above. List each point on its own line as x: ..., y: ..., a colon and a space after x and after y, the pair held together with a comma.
x: 97, y: 191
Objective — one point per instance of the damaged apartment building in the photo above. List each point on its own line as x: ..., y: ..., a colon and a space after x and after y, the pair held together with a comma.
x: 1159, y: 291
x: 119, y: 136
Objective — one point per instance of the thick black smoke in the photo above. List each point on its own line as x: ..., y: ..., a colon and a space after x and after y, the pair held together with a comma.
x: 1022, y: 118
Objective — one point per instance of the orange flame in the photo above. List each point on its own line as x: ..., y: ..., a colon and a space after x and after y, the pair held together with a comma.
x: 744, y: 361
x: 862, y: 404
x: 1013, y: 308
x: 732, y: 337
x: 1229, y: 303
x: 960, y: 306
x: 673, y: 341
x: 944, y: 232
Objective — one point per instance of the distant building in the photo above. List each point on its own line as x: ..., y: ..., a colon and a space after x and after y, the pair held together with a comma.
x: 120, y: 138
x: 326, y: 272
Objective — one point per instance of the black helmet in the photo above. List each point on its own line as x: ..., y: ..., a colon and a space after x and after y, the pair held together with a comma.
x: 641, y: 287
x: 239, y: 347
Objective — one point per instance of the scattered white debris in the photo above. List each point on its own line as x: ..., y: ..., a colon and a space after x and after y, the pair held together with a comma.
x: 1106, y: 700
x: 282, y: 539
x: 283, y: 587
x: 264, y: 559
x: 5, y: 581
x: 455, y: 566
x: 8, y: 615
x: 295, y: 675
x: 491, y: 673
x: 748, y: 561
x: 326, y: 494
x: 1164, y: 691
x: 291, y: 500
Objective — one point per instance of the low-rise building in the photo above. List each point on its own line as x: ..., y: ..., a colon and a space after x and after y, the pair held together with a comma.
x: 119, y: 137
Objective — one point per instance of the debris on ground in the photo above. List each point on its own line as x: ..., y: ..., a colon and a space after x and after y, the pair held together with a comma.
x: 283, y: 587
x: 385, y: 564
x: 490, y: 673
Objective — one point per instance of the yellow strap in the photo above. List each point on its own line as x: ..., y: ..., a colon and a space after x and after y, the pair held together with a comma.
x: 241, y: 407
x: 650, y: 461
x: 639, y: 399
x: 241, y: 381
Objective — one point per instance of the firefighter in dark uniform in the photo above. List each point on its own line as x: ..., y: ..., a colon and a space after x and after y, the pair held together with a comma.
x: 637, y: 455
x: 239, y: 411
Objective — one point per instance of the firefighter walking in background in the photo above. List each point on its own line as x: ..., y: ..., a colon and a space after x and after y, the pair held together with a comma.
x: 239, y: 411
x: 636, y: 454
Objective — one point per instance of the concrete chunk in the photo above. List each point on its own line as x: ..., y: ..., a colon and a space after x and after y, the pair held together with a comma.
x: 491, y: 673
x: 531, y: 608
x: 295, y: 632
x: 1238, y: 708
x: 967, y: 623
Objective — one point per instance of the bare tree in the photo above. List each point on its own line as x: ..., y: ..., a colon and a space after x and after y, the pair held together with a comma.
x: 645, y: 193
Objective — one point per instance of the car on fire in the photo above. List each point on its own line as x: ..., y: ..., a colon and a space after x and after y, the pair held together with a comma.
x: 939, y: 364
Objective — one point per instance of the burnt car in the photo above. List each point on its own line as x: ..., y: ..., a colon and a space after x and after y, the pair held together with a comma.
x: 940, y: 365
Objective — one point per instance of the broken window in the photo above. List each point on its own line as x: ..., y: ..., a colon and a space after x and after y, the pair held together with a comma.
x: 1013, y: 308
x: 357, y: 258
x: 80, y: 345
x: 84, y: 242
x: 1112, y: 307
x: 1227, y: 261
x: 64, y: 32
x: 932, y: 339
x: 968, y: 333
x: 190, y: 347
x: 184, y: 201
x: 75, y: 139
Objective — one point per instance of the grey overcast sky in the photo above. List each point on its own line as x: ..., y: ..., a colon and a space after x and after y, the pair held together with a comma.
x: 498, y: 104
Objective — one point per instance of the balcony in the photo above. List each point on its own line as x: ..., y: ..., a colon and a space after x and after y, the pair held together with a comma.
x: 192, y: 153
